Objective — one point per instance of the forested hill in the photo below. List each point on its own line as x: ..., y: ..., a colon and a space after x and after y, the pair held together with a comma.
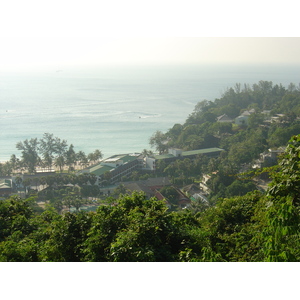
x: 272, y: 119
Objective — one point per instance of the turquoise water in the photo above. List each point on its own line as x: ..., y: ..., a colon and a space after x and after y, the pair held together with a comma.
x: 114, y: 110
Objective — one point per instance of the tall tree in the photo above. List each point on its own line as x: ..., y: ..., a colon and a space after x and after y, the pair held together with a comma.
x: 159, y: 141
x: 71, y: 157
x: 94, y: 156
x: 47, y: 149
x: 30, y: 154
x: 60, y: 162
x: 14, y: 162
x: 82, y: 159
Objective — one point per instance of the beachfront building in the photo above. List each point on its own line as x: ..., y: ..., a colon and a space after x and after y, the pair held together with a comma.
x: 173, y: 154
x: 115, y: 167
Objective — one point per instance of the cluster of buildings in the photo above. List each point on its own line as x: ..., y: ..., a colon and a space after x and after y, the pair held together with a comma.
x: 152, y: 187
x: 269, y: 157
x: 243, y: 118
x: 114, y: 168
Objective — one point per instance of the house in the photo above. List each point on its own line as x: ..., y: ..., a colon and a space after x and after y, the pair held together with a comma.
x: 195, y: 193
x: 203, y: 184
x: 139, y: 187
x: 183, y: 200
x: 158, y: 195
x: 149, y: 186
x: 179, y: 198
x: 224, y: 119
x: 242, y: 119
x: 277, y: 118
x: 271, y: 156
x: 191, y: 189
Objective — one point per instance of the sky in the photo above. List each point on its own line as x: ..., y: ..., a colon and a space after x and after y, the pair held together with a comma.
x: 19, y: 53
x: 57, y: 34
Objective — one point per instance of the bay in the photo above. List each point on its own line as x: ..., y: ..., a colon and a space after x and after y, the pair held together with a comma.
x: 117, y: 109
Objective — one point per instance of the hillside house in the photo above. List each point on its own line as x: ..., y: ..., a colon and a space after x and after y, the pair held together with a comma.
x: 224, y: 119
x: 183, y: 200
x: 277, y: 118
x: 242, y: 119
x: 271, y: 156
x: 195, y: 193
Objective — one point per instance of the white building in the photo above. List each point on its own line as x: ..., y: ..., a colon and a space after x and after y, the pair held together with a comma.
x: 242, y: 119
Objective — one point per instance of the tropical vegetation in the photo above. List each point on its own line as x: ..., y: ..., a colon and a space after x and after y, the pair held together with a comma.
x: 254, y: 227
x: 240, y: 222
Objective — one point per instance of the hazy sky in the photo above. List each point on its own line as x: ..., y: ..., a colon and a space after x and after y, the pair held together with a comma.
x: 57, y: 34
x: 31, y: 53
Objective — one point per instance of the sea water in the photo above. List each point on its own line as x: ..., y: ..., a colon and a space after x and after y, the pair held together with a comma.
x: 117, y: 109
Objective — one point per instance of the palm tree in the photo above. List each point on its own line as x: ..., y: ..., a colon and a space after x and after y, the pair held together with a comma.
x: 30, y: 156
x: 70, y: 157
x: 60, y: 162
x: 95, y: 156
x: 82, y: 159
x: 14, y: 162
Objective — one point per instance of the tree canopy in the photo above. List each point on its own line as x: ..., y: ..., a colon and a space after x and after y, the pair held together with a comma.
x: 255, y: 227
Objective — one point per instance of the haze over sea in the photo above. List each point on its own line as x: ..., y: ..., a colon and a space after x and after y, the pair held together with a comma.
x: 115, y: 110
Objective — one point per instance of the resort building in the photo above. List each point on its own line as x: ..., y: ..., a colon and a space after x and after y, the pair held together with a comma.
x: 115, y: 167
x: 174, y: 154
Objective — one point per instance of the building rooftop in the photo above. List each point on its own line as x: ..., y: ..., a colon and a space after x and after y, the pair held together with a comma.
x: 103, y: 166
x: 5, y: 184
x: 189, y: 153
x: 201, y: 151
x: 100, y: 170
x: 124, y: 157
x: 163, y: 156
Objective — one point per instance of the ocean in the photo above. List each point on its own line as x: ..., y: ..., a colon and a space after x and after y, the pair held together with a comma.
x: 117, y: 109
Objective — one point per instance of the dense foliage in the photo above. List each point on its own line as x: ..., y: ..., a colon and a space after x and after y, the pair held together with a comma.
x: 255, y: 227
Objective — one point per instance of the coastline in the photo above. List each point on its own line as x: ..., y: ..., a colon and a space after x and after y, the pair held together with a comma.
x: 103, y: 111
